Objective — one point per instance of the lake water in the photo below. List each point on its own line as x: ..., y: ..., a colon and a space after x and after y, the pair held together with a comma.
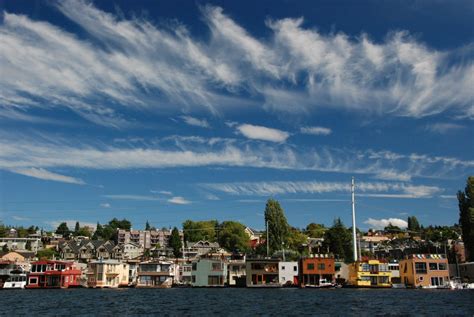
x: 236, y: 302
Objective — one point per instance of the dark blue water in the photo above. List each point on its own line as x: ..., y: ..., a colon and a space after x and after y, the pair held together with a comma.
x: 236, y: 302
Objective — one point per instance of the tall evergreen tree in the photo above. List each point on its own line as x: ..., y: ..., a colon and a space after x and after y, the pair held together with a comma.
x: 175, y: 242
x: 77, y: 228
x: 63, y: 229
x: 338, y: 239
x: 413, y: 224
x: 278, y: 228
x: 98, y: 232
x: 147, y: 226
x: 466, y: 217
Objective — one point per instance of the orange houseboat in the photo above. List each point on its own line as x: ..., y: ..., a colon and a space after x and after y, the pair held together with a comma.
x: 317, y: 271
x: 53, y: 274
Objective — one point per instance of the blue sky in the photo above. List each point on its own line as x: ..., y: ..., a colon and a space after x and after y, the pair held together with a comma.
x: 166, y: 111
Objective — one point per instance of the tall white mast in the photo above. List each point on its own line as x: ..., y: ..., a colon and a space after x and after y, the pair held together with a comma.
x: 354, y: 235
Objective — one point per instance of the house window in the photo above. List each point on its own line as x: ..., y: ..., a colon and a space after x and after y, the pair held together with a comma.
x: 217, y: 266
x: 283, y: 267
x: 321, y: 266
x: 295, y: 268
x: 194, y: 266
x: 420, y: 267
x: 310, y: 266
x: 33, y: 280
x: 442, y: 266
x: 433, y: 266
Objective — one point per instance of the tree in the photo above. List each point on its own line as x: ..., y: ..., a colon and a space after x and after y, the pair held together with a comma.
x: 315, y: 230
x: 63, y: 229
x: 392, y: 229
x: 413, y: 224
x: 147, y: 226
x: 232, y: 237
x: 466, y: 217
x: 98, y: 233
x: 338, y: 239
x: 28, y: 245
x: 46, y: 254
x: 77, y: 228
x: 296, y: 240
x: 175, y: 242
x: 5, y: 248
x: 3, y: 230
x: 200, y: 230
x: 278, y: 228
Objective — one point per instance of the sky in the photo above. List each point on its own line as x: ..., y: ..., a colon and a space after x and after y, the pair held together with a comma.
x: 173, y: 110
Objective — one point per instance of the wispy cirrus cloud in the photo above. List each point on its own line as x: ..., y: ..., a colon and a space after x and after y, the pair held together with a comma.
x: 256, y: 132
x: 138, y: 65
x: 43, y: 174
x: 33, y: 157
x: 132, y: 197
x: 364, y: 189
x: 444, y: 127
x: 202, y: 123
x: 315, y: 130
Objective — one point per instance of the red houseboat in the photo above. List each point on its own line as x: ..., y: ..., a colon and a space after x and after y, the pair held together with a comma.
x: 53, y: 274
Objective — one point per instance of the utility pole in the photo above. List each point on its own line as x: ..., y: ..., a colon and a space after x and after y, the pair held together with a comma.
x: 268, y: 247
x: 354, y: 237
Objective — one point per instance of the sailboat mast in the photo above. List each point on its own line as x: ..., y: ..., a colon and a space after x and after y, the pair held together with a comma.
x: 354, y: 233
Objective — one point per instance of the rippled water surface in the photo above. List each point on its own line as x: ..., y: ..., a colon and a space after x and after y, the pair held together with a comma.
x: 236, y: 302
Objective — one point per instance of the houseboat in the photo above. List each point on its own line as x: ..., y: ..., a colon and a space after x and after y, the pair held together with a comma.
x: 209, y: 272
x: 262, y: 273
x: 107, y: 274
x: 53, y: 274
x: 369, y: 273
x: 16, y: 280
x: 317, y: 271
x: 425, y: 271
x: 156, y: 274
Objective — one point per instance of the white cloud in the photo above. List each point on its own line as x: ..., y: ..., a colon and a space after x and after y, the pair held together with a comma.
x: 41, y: 173
x: 212, y: 197
x: 136, y: 64
x: 132, y: 197
x: 202, y: 123
x: 177, y: 200
x: 256, y: 132
x: 393, y: 175
x: 18, y: 218
x: 453, y: 197
x: 382, y: 223
x: 363, y: 189
x: 316, y: 130
x: 105, y: 205
x: 163, y: 192
x: 443, y: 128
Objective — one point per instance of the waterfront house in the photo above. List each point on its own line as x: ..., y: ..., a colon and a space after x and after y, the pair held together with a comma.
x: 185, y: 273
x: 21, y: 244
x: 127, y: 251
x: 194, y: 250
x: 236, y: 273
x: 207, y: 272
x: 369, y: 273
x: 133, y: 271
x: 317, y: 270
x: 86, y: 250
x: 107, y: 274
x: 262, y: 273
x: 394, y: 268
x: 288, y: 273
x: 156, y: 274
x: 53, y: 274
x: 424, y: 270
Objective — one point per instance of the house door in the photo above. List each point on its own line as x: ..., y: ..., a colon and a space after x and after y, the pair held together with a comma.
x: 373, y: 281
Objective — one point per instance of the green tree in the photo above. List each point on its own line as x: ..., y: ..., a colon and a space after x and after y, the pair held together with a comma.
x: 63, y: 229
x: 28, y: 245
x: 46, y: 254
x: 413, y: 224
x: 175, y: 242
x: 3, y: 230
x: 147, y: 226
x: 77, y: 227
x: 278, y: 228
x: 98, y: 233
x: 296, y: 240
x: 5, y: 248
x: 315, y: 230
x: 466, y: 217
x: 200, y: 230
x: 338, y: 239
x: 232, y: 237
x: 392, y: 229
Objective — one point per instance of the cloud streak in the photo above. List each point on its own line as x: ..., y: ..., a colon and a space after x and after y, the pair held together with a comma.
x: 43, y: 174
x: 134, y: 64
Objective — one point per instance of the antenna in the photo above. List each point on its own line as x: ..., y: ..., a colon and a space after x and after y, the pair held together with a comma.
x: 354, y: 236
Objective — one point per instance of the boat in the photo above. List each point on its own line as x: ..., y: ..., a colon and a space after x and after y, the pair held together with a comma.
x: 16, y: 280
x: 323, y: 283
